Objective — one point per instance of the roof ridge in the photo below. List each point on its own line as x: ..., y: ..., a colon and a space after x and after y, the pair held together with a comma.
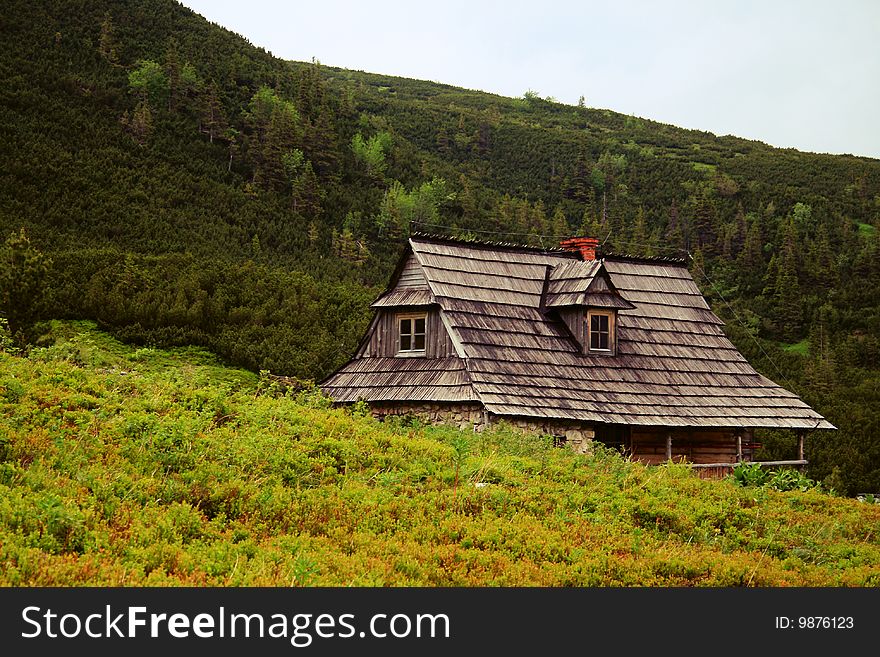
x: 629, y: 257
x: 492, y: 244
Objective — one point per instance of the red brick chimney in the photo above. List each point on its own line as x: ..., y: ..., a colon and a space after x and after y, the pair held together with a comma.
x: 586, y: 246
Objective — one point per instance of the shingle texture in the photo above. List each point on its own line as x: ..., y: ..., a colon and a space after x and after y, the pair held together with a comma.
x: 673, y: 365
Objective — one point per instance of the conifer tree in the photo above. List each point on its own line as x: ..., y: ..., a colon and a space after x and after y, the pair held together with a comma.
x: 590, y: 226
x: 787, y: 290
x: 750, y: 261
x: 307, y: 193
x: 643, y: 240
x: 559, y: 224
x: 212, y: 117
x: 140, y: 124
x: 108, y: 45
x: 273, y: 123
x: 319, y: 143
x: 698, y: 267
x: 24, y: 277
x: 579, y: 181
x: 442, y: 141
x: 821, y: 370
x: 823, y: 269
x: 538, y: 219
x: 704, y: 222
x: 505, y: 214
x: 675, y: 236
x: 172, y: 69
x: 314, y: 233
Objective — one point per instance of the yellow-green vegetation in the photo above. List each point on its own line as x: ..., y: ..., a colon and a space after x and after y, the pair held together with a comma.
x: 801, y: 348
x: 135, y: 466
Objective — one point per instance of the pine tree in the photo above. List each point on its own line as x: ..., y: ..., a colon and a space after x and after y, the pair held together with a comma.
x: 705, y: 222
x: 742, y: 229
x: 212, y: 117
x: 314, y: 233
x: 520, y: 217
x: 559, y: 224
x: 140, y: 124
x: 442, y: 141
x: 823, y: 268
x: 698, y: 267
x: 787, y: 290
x: 470, y: 204
x: 274, y: 124
x: 319, y: 143
x: 505, y: 214
x: 307, y: 193
x: 750, y: 261
x: 310, y: 91
x: 821, y: 370
x: 172, y: 70
x: 108, y: 45
x: 580, y: 182
x: 24, y: 278
x: 643, y: 240
x: 675, y: 236
x: 538, y: 219
x: 590, y: 224
x: 346, y: 246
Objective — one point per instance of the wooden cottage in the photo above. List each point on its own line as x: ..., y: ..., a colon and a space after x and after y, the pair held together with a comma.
x: 619, y: 349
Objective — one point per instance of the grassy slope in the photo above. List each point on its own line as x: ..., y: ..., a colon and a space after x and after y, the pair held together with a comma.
x: 130, y: 467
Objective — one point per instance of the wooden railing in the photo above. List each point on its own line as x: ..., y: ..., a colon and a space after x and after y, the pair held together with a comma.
x: 761, y: 463
x: 721, y: 470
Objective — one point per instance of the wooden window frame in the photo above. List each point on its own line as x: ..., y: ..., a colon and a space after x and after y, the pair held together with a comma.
x: 612, y: 333
x: 411, y: 352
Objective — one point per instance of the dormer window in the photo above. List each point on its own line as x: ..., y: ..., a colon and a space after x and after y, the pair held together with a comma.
x: 600, y: 331
x: 411, y: 341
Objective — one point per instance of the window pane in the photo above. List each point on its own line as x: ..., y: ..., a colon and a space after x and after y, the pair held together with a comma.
x: 600, y: 332
x: 405, y: 342
x: 405, y: 326
x: 418, y: 342
x: 420, y: 325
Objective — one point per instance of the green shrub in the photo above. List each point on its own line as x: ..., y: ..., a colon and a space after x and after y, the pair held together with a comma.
x: 750, y: 474
x: 136, y: 480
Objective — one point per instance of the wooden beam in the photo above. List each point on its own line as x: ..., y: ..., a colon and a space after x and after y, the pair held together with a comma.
x: 732, y: 465
x: 453, y: 336
x: 801, y: 436
x: 669, y: 447
x: 739, y: 448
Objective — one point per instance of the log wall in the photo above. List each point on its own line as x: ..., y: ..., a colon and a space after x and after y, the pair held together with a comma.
x: 648, y: 445
x: 384, y: 339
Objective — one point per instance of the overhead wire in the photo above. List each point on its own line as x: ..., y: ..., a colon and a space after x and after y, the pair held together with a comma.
x: 739, y: 320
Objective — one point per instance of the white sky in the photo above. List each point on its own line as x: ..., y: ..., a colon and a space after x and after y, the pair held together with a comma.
x: 800, y: 74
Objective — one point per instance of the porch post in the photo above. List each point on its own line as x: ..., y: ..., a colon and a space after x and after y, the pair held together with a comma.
x: 669, y: 447
x: 739, y: 447
x: 801, y: 435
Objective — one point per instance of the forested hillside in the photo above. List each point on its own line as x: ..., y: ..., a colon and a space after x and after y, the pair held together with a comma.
x: 181, y: 186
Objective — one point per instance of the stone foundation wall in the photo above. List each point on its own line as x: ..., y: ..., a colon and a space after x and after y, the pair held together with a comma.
x: 462, y: 415
x: 575, y: 435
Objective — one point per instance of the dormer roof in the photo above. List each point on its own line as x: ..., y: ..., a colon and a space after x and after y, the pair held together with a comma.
x: 582, y: 283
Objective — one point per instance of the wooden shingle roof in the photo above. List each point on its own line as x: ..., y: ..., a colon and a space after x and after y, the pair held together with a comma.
x: 673, y: 366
